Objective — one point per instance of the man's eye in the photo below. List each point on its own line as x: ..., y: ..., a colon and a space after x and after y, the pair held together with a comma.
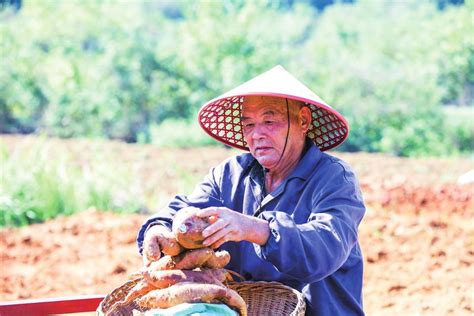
x: 248, y: 125
x: 268, y: 122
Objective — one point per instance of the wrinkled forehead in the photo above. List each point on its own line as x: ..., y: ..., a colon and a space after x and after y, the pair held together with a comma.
x: 276, y: 105
x: 252, y: 104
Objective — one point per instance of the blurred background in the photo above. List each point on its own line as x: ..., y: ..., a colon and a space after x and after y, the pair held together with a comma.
x: 402, y: 72
x: 98, y: 106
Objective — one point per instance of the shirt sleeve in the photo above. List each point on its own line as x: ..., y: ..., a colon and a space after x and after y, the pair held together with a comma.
x: 311, y: 251
x: 205, y: 194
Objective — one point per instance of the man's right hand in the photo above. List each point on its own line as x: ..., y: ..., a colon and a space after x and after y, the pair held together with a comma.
x: 159, y: 239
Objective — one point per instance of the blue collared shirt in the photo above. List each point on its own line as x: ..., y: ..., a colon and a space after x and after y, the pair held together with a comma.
x: 313, y: 217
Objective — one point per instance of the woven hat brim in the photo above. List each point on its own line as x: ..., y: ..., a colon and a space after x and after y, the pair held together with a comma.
x: 220, y: 119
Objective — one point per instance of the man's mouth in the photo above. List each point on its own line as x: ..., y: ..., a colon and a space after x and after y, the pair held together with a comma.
x: 262, y: 148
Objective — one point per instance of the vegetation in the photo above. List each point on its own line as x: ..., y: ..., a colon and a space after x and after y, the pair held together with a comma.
x: 41, y: 181
x: 43, y: 177
x: 123, y: 70
x: 401, y: 72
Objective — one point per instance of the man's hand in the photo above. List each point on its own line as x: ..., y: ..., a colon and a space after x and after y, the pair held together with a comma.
x: 159, y: 239
x: 232, y: 226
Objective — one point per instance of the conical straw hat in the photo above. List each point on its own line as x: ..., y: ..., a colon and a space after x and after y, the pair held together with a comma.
x: 220, y: 117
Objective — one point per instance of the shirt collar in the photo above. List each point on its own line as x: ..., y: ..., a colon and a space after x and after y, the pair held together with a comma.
x: 256, y: 172
x: 303, y: 169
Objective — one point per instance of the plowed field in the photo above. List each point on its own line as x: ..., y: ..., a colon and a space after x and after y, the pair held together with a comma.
x: 417, y: 236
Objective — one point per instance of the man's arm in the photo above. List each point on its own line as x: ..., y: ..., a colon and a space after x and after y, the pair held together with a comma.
x: 311, y: 251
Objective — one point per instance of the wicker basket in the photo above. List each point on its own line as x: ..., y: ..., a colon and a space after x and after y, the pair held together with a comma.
x: 262, y: 298
x: 270, y: 298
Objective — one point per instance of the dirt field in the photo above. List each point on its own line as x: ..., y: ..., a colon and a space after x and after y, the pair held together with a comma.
x: 417, y: 236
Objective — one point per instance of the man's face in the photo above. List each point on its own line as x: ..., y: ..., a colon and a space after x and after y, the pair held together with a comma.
x: 265, y: 125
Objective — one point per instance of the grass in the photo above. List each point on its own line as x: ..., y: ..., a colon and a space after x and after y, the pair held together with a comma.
x: 460, y: 128
x: 180, y: 134
x: 41, y: 182
x: 41, y: 178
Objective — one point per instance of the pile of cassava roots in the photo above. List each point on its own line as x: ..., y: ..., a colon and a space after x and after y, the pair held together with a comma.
x: 186, y: 273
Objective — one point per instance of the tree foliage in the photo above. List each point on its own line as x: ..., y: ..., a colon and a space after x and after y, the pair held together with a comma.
x: 121, y: 69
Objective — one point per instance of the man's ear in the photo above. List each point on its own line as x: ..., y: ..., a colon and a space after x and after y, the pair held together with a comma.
x: 305, y: 118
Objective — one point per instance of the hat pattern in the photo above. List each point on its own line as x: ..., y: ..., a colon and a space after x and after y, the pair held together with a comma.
x: 221, y: 119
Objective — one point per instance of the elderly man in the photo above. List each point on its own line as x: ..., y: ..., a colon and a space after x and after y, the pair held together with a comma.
x: 286, y: 211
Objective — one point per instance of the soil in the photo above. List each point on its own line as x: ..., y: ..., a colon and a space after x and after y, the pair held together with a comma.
x: 417, y: 235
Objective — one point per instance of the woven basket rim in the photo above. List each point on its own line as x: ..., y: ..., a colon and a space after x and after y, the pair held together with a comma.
x: 280, y: 292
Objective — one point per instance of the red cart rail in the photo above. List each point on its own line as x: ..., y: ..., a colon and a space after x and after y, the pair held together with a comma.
x: 42, y: 307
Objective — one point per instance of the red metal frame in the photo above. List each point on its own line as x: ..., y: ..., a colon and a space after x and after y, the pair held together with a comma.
x: 41, y: 307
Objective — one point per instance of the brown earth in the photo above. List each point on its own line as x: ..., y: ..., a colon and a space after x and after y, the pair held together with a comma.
x: 417, y: 236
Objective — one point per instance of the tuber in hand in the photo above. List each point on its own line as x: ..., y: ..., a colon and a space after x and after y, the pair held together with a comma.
x: 187, y: 227
x: 159, y: 239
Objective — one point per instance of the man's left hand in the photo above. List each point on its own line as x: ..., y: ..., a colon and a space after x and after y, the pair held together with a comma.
x: 230, y: 225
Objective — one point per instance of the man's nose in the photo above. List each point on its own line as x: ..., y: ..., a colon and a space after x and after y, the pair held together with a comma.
x: 258, y: 132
